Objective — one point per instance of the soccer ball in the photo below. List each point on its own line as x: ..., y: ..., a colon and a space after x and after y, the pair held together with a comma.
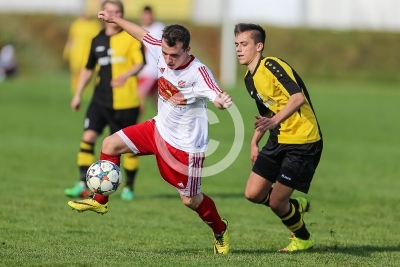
x: 103, y: 177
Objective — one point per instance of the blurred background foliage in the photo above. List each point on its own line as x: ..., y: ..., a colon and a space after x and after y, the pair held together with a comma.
x: 39, y: 40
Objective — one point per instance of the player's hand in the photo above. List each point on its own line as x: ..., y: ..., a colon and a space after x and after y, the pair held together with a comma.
x: 253, y: 153
x: 119, y: 81
x: 105, y: 16
x: 76, y: 103
x: 263, y: 124
x: 226, y: 100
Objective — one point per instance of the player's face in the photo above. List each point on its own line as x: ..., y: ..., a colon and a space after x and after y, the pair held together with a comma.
x: 147, y: 18
x: 174, y: 56
x: 113, y: 9
x: 246, y: 49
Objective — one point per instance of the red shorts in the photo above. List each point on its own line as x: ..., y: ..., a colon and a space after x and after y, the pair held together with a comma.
x: 147, y: 86
x: 180, y: 169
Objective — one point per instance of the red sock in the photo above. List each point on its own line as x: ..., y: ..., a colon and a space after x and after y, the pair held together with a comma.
x: 112, y: 158
x: 100, y: 198
x: 116, y: 160
x: 209, y: 214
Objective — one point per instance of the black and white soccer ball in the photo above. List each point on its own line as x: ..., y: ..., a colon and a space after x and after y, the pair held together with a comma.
x: 103, y: 177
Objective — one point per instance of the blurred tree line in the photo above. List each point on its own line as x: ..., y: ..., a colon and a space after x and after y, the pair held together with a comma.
x: 39, y: 41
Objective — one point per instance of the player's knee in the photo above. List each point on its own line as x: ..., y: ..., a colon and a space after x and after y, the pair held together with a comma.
x: 187, y: 201
x: 251, y: 196
x: 109, y: 146
x: 191, y: 202
x: 89, y: 136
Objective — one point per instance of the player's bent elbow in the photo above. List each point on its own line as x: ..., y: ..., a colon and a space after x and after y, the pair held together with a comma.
x: 299, y: 98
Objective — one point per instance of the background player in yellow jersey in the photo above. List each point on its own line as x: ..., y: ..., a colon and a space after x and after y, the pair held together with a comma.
x: 115, y: 102
x: 288, y: 160
x: 76, y: 50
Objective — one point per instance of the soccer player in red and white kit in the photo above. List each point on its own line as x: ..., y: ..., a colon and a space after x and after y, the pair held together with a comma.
x: 178, y: 134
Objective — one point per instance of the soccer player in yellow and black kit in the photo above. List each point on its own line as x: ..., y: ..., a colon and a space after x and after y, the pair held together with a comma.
x: 115, y: 100
x: 76, y: 50
x: 288, y: 160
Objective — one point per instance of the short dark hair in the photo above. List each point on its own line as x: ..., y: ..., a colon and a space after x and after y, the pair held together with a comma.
x: 115, y: 2
x: 176, y: 33
x: 148, y: 9
x: 258, y: 33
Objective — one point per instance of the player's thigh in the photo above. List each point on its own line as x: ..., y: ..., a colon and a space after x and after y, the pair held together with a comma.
x: 269, y: 161
x: 114, y: 144
x: 318, y: 152
x: 96, y: 118
x: 299, y: 165
x: 140, y: 138
x: 120, y: 119
x: 257, y: 187
x: 181, y: 169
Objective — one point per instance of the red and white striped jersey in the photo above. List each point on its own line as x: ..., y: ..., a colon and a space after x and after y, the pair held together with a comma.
x: 182, y: 100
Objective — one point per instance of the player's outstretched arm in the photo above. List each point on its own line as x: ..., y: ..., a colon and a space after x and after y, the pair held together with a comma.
x: 84, y: 78
x: 254, y: 150
x: 223, y: 101
x: 133, y: 29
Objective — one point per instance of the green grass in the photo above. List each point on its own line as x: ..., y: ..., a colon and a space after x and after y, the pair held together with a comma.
x: 354, y: 195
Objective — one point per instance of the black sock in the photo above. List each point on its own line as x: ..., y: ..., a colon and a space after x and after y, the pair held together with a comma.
x: 85, y: 158
x: 294, y: 202
x: 130, y: 178
x: 82, y: 172
x: 292, y: 220
x: 265, y: 201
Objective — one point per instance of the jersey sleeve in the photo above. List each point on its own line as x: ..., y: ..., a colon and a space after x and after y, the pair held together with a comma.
x: 281, y: 74
x: 137, y: 52
x: 92, y: 59
x: 206, y: 86
x: 157, y: 30
x: 153, y: 45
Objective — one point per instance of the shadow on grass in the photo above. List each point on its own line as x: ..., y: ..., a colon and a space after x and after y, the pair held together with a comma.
x: 252, y: 251
x: 216, y: 195
x: 361, y: 251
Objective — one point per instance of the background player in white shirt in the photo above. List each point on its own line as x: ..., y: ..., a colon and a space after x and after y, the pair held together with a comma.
x: 148, y: 76
x: 178, y: 134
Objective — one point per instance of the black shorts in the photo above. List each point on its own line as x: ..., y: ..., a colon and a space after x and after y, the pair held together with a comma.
x: 98, y: 117
x: 291, y: 165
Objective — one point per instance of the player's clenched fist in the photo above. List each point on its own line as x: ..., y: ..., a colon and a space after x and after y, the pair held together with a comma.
x: 223, y: 100
x: 226, y: 100
x: 105, y: 16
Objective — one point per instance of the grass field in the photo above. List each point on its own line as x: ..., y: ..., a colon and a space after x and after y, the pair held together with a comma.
x: 355, y: 192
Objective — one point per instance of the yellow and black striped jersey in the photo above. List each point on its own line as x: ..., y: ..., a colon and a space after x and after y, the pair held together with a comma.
x: 80, y: 35
x: 115, y: 55
x: 271, y: 85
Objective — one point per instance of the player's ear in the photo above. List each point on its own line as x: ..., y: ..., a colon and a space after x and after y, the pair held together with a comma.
x: 187, y: 50
x: 259, y: 47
